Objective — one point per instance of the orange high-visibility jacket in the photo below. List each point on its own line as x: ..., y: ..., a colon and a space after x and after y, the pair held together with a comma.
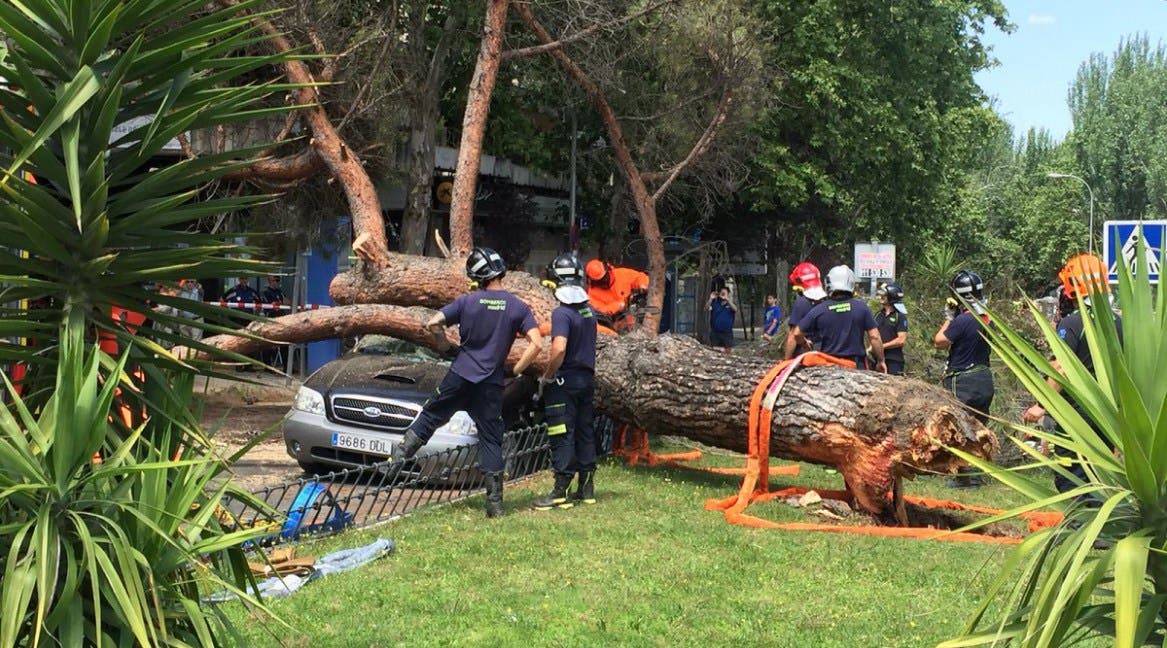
x: 613, y: 300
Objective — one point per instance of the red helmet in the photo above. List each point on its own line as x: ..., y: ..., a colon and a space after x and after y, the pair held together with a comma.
x: 598, y: 272
x: 805, y: 277
x: 1083, y: 274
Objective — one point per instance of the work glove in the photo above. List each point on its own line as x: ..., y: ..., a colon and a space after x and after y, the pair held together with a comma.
x: 551, y: 285
x: 951, y: 308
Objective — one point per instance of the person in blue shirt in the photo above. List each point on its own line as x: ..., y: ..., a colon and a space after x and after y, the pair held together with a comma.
x: 488, y: 321
x: 568, y: 385
x: 967, y: 375
x: 721, y: 315
x: 840, y: 323
x: 773, y: 318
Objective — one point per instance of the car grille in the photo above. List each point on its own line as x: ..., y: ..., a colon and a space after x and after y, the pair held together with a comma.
x: 380, y: 413
x: 347, y: 456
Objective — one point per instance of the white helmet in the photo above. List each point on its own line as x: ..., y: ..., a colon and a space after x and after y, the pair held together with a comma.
x: 841, y: 279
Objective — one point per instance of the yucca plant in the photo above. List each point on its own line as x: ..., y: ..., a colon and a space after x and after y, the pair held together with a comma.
x: 114, y: 552
x: 92, y: 91
x: 1103, y: 571
x: 107, y: 529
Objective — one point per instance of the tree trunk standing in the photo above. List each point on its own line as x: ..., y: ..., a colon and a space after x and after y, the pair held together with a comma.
x: 872, y: 427
x: 415, y: 220
x: 474, y: 129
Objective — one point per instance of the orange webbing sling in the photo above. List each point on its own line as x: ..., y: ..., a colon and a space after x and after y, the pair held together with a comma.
x: 755, y: 486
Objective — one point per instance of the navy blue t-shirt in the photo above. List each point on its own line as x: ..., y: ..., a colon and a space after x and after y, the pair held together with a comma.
x: 577, y: 323
x: 1073, y: 331
x: 721, y: 316
x: 487, y: 323
x: 840, y: 326
x: 969, y: 346
x: 801, y: 307
x: 890, y: 326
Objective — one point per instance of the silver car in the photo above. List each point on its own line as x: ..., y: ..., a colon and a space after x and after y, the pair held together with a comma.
x: 353, y: 411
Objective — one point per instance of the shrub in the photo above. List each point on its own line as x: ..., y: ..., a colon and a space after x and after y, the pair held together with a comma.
x: 1104, y: 569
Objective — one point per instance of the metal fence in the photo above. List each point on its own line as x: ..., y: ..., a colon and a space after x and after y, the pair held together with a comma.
x: 359, y: 497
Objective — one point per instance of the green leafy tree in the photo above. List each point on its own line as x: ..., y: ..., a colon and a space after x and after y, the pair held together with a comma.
x: 1120, y: 128
x: 878, y: 117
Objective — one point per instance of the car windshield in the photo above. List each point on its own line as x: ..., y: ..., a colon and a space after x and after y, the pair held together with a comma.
x: 385, y: 345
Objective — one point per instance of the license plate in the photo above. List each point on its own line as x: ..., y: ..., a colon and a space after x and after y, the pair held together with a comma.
x: 366, y: 443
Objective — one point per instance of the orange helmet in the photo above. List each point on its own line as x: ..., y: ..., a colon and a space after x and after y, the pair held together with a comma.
x: 806, y: 277
x: 1083, y: 274
x: 597, y: 271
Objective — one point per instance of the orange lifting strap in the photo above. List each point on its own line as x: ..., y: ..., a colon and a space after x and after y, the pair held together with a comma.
x: 756, y: 483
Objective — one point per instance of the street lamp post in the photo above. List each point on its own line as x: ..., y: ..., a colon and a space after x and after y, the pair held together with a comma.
x: 1090, y: 236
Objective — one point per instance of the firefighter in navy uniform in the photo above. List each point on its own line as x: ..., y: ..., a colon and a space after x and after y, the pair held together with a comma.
x: 967, y: 374
x: 488, y: 320
x: 892, y: 321
x: 808, y: 283
x: 1082, y: 275
x: 840, y: 323
x: 568, y: 388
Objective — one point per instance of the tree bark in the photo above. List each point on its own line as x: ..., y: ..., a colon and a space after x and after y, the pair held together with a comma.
x: 872, y: 427
x: 474, y: 129
x: 423, y: 129
x: 432, y: 282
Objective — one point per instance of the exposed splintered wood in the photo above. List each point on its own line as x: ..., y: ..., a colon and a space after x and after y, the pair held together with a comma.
x: 872, y: 427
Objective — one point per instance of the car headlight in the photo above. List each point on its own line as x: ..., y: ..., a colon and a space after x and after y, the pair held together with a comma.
x: 309, y: 400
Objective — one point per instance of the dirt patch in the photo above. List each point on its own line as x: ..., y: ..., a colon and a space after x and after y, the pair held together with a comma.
x: 237, y: 413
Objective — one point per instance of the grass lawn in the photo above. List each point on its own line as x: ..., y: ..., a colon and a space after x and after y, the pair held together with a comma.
x: 646, y: 566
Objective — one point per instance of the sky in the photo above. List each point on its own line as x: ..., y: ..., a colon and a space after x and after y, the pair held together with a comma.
x: 1040, y: 59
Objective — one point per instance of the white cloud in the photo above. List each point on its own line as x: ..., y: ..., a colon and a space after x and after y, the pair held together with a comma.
x: 1042, y: 19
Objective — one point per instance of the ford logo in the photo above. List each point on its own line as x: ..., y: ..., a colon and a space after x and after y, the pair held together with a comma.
x: 372, y: 412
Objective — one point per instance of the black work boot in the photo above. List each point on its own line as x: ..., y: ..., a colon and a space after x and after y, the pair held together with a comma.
x: 557, y: 498
x: 409, y: 446
x: 585, y: 492
x: 494, y: 495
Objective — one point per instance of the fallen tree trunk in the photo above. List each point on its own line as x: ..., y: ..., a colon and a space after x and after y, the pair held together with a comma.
x: 872, y: 427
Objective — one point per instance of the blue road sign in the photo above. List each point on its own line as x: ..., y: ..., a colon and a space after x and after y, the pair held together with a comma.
x: 1119, y: 242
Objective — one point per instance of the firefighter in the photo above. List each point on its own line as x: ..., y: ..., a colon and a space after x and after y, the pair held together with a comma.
x: 808, y: 283
x: 892, y: 320
x: 840, y: 323
x: 488, y: 321
x: 967, y: 374
x: 568, y: 385
x: 1082, y: 276
x: 612, y: 291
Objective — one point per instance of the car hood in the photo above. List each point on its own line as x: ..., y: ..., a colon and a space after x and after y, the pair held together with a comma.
x: 363, y: 372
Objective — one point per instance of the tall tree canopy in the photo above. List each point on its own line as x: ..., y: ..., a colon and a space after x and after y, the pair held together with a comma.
x: 1120, y: 128
x: 878, y: 115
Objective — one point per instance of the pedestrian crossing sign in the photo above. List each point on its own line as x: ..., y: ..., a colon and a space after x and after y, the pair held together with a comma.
x: 1120, y: 245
